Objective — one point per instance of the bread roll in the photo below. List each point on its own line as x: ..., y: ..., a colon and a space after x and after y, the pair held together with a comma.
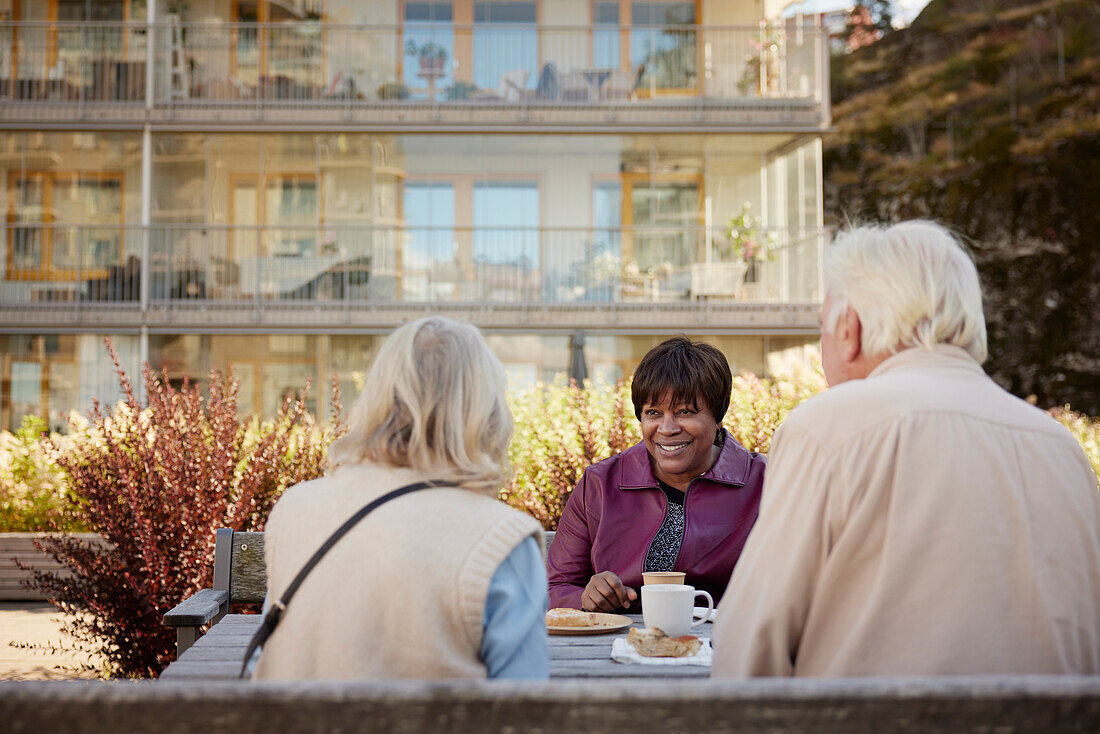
x: 654, y: 643
x: 562, y: 617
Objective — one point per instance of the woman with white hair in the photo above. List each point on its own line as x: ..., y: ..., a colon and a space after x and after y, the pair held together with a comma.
x: 917, y: 519
x: 442, y: 582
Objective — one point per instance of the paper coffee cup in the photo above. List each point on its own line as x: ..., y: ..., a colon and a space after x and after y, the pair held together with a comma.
x: 663, y: 577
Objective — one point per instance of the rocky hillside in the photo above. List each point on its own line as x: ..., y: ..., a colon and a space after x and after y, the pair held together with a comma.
x: 985, y: 115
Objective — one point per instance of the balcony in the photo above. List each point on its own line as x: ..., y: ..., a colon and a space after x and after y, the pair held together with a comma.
x: 425, y: 77
x: 361, y: 277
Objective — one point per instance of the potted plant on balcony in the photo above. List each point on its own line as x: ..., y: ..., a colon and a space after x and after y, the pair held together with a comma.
x: 747, y: 241
x: 432, y: 57
x: 760, y: 75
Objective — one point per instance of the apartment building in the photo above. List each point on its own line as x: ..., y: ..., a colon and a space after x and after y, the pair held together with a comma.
x: 273, y: 185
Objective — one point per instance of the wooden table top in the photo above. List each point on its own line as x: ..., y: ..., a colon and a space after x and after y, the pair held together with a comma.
x: 217, y: 655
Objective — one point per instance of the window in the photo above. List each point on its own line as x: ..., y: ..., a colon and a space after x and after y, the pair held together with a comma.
x: 494, y: 48
x: 429, y: 258
x: 666, y: 215
x: 505, y: 41
x: 429, y: 46
x: 26, y: 388
x: 64, y: 225
x: 664, y: 40
x: 80, y: 10
x: 287, y: 212
x: 64, y: 54
x: 291, y: 214
x: 471, y: 239
x: 39, y: 375
x: 603, y: 258
x: 506, y: 221
x: 605, y: 35
x: 275, y: 44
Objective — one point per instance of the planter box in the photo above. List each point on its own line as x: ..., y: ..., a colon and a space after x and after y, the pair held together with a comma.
x: 433, y: 65
x: 20, y: 546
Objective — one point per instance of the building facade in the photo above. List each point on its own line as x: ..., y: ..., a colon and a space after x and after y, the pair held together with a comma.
x: 273, y: 185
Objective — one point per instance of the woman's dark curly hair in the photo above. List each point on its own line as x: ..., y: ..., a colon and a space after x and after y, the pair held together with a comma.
x: 687, y: 370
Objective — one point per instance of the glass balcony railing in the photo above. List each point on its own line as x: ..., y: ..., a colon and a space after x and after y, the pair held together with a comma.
x: 242, y: 267
x: 320, y: 64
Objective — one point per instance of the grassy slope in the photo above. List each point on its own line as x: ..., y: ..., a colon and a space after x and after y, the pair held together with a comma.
x: 964, y: 117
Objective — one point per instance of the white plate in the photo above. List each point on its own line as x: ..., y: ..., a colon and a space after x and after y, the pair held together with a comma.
x: 605, y: 624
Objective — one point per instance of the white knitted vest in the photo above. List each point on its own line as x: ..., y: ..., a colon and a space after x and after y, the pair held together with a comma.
x: 400, y: 596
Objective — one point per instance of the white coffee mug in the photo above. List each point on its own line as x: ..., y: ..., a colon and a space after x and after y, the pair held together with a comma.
x: 671, y: 607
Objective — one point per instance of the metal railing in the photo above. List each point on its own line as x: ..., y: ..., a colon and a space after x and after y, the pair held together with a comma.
x: 315, y: 63
x: 51, y: 265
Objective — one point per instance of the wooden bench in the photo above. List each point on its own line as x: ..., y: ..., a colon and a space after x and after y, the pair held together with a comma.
x: 19, y: 547
x: 1050, y: 704
x: 240, y: 577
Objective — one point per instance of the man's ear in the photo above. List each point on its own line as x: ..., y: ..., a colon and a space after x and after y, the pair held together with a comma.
x: 850, y: 332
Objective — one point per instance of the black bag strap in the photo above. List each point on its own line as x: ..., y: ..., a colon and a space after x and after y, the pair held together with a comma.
x: 275, y: 612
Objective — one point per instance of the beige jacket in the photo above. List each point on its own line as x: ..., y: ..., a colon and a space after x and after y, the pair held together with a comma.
x: 400, y: 596
x: 920, y: 521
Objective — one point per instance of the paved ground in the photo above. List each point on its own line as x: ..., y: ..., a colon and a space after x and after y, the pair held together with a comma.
x: 51, y: 655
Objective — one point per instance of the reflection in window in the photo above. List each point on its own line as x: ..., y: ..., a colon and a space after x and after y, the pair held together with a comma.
x: 28, y: 243
x: 26, y: 390
x: 274, y: 40
x: 49, y: 206
x: 245, y: 374
x: 665, y: 217
x: 288, y: 209
x: 506, y: 240
x: 247, y: 46
x: 506, y: 220
x: 73, y: 36
x: 88, y: 201
x: 429, y: 36
x: 41, y: 375
x: 283, y: 382
x: 667, y: 50
x: 291, y: 210
x: 605, y: 36
x: 77, y: 10
x: 428, y: 258
x: 505, y: 42
x: 603, y: 259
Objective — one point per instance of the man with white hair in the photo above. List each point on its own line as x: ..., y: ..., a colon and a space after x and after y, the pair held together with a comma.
x: 916, y: 519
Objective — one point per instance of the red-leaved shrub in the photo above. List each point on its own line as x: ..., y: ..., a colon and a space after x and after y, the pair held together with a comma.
x: 560, y: 431
x: 155, y: 481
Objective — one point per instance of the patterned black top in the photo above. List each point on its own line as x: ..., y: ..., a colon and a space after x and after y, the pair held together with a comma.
x: 665, y: 548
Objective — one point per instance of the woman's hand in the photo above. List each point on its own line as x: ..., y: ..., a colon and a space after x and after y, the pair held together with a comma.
x: 606, y: 593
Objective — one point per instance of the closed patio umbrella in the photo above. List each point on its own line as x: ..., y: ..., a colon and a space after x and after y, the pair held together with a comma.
x: 578, y: 370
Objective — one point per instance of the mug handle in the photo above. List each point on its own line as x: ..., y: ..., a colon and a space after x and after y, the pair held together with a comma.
x: 710, y: 608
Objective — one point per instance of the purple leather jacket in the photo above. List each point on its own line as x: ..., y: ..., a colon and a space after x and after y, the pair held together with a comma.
x: 617, y: 508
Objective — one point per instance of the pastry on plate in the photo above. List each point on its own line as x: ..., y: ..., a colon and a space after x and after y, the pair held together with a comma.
x: 654, y: 643
x: 563, y: 617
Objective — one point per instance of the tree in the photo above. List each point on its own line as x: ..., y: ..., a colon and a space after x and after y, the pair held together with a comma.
x: 868, y: 22
x: 882, y: 14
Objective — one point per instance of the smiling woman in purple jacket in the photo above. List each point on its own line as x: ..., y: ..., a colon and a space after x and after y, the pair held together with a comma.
x: 684, y: 499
